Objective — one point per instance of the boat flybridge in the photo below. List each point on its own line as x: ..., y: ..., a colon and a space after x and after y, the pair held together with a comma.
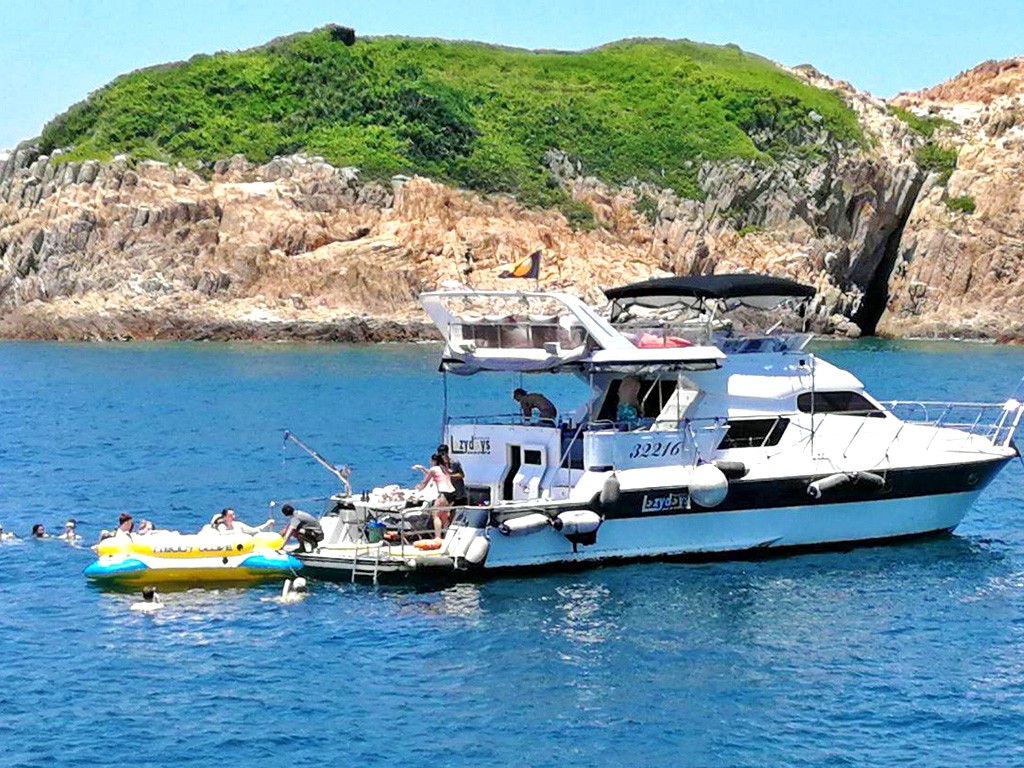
x: 701, y: 437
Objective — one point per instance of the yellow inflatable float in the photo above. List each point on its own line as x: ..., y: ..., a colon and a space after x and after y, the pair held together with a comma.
x: 172, y: 557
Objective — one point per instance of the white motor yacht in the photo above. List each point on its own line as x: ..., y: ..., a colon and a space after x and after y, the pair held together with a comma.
x: 700, y: 438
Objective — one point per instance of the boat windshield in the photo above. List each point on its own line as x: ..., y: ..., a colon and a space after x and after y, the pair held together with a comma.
x: 736, y: 313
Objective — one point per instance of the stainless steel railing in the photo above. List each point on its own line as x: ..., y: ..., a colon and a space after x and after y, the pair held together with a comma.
x: 996, y: 422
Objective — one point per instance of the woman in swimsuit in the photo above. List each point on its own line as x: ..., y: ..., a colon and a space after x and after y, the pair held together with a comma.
x: 438, y: 475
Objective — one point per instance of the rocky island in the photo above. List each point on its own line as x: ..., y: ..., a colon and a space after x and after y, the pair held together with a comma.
x: 310, y: 188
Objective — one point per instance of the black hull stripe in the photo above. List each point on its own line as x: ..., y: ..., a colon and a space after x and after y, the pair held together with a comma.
x: 792, y: 492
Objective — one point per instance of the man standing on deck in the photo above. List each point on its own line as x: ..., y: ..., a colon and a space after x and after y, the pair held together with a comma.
x: 457, y: 476
x: 535, y: 401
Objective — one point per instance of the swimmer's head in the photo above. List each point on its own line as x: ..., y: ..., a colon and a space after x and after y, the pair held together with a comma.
x: 148, y: 593
x: 70, y: 524
x: 299, y: 585
x: 38, y: 530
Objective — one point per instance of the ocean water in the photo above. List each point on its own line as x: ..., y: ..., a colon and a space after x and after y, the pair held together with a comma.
x: 901, y: 655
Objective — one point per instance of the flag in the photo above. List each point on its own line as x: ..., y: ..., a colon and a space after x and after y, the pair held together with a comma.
x: 528, y: 266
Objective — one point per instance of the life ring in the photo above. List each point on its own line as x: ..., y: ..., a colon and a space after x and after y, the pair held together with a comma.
x: 427, y: 544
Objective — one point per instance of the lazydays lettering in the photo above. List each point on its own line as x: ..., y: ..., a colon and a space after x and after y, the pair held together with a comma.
x: 667, y: 503
x: 472, y: 446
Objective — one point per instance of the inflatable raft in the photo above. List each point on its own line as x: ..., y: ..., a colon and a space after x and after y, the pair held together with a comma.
x: 171, y: 557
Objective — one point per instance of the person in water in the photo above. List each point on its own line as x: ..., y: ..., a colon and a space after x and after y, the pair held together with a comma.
x: 7, y: 535
x: 69, y: 533
x: 294, y: 590
x: 534, y: 401
x: 150, y: 601
x: 303, y: 526
x: 438, y: 475
x: 226, y: 522
x: 39, y: 532
x: 456, y: 474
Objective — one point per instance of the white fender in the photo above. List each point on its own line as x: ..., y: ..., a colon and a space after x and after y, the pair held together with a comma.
x: 477, y: 550
x: 708, y: 485
x: 577, y: 521
x: 818, y: 487
x: 525, y: 524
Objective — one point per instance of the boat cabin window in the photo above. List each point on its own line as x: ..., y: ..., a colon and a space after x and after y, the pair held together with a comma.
x: 532, y: 457
x: 754, y: 433
x: 654, y: 393
x: 850, y: 403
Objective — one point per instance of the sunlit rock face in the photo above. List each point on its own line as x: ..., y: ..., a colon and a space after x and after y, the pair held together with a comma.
x: 960, y: 268
x: 297, y: 248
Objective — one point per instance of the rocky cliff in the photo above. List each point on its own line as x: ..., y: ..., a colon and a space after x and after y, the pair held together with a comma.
x: 297, y: 248
x: 959, y: 270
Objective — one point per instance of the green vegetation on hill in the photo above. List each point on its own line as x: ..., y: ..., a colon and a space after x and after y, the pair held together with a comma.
x: 925, y: 126
x: 962, y: 204
x: 933, y: 158
x: 476, y: 115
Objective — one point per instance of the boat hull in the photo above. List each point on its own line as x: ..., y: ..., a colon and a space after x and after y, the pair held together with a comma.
x: 662, y: 523
x: 741, y: 533
x: 756, y: 533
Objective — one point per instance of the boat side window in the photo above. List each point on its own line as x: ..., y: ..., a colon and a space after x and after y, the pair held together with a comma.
x: 754, y: 433
x: 849, y: 403
x: 532, y: 457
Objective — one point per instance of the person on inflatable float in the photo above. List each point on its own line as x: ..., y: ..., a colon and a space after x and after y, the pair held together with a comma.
x: 226, y: 522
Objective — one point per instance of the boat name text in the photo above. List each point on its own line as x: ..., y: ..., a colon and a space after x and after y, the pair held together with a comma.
x: 669, y: 502
x: 480, y: 446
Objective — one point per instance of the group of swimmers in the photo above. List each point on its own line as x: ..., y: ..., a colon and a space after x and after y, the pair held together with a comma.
x: 38, y: 531
x: 303, y: 526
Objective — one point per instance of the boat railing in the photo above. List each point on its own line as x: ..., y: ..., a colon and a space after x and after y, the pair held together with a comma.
x: 503, y: 420
x: 996, y: 422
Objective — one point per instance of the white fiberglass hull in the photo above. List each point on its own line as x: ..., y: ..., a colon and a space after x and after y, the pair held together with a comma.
x: 739, y: 532
x: 709, y: 534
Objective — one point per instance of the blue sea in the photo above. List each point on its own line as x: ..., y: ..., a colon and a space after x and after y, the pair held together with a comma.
x: 910, y: 654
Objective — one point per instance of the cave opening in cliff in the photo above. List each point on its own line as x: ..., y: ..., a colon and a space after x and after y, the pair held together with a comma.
x: 876, y: 293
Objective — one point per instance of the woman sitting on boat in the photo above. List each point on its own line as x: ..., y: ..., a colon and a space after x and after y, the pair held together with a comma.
x: 438, y: 475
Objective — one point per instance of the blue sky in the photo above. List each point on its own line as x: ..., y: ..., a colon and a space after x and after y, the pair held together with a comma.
x: 54, y: 52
